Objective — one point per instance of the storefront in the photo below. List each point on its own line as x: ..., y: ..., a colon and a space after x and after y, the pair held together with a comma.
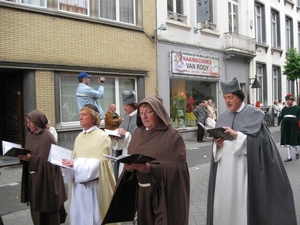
x: 187, y: 74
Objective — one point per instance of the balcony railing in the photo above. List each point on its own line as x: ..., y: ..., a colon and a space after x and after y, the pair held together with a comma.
x: 239, y: 43
x: 177, y: 17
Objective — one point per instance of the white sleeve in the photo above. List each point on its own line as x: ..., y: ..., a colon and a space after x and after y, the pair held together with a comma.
x: 86, y: 169
x: 68, y: 175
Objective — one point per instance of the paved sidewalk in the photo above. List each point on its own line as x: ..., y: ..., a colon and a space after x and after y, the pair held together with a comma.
x: 15, y: 213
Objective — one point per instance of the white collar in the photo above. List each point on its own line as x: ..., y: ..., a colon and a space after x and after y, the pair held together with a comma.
x: 90, y: 129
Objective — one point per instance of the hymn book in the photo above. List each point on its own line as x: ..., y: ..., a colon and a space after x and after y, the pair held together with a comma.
x: 57, y: 154
x: 218, y: 132
x: 113, y: 133
x: 129, y: 159
x: 13, y: 149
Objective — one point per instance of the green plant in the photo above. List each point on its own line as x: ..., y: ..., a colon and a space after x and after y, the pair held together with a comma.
x: 292, y: 65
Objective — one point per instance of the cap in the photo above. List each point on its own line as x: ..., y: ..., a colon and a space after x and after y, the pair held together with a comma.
x: 289, y: 97
x: 90, y: 106
x: 83, y: 75
x: 230, y: 86
x: 128, y: 97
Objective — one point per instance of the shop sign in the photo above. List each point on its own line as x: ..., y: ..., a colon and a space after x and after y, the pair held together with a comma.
x: 191, y: 64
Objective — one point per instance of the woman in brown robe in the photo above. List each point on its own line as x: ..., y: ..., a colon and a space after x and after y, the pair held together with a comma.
x: 42, y: 183
x: 163, y: 185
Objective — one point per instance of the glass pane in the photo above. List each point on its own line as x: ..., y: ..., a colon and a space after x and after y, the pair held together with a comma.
x: 75, y: 6
x: 183, y: 97
x: 69, y: 109
x: 34, y: 2
x: 127, y: 84
x: 108, y: 9
x: 126, y: 11
x: 179, y: 6
x: 170, y: 6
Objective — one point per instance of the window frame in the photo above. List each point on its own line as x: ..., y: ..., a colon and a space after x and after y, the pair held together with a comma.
x: 275, y: 29
x: 233, y: 16
x: 288, y: 32
x: 276, y: 81
x: 117, y: 12
x: 117, y: 95
x: 260, y: 29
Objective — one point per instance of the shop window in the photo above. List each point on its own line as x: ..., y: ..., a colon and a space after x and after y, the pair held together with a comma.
x: 184, y: 97
x: 69, y: 113
x: 118, y: 10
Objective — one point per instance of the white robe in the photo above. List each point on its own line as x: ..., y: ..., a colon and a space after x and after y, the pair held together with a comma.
x: 84, y: 191
x: 230, y: 201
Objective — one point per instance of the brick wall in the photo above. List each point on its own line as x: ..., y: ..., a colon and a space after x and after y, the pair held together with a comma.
x: 42, y: 38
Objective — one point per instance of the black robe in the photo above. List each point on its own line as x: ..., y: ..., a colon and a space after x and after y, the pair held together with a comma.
x: 270, y: 197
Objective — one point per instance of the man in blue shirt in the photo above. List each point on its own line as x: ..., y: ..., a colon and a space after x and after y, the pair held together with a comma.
x: 87, y: 95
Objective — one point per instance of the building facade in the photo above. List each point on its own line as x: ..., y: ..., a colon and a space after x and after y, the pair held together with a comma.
x: 45, y: 44
x: 201, y: 43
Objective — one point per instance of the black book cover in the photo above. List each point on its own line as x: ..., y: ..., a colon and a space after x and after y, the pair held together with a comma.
x: 14, y: 152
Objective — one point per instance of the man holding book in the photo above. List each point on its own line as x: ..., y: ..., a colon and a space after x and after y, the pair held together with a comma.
x: 248, y: 183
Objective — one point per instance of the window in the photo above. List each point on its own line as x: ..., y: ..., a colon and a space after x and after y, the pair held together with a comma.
x: 176, y: 10
x: 183, y: 97
x: 41, y: 3
x: 298, y: 37
x: 114, y: 86
x: 74, y: 6
x: 275, y: 29
x: 290, y: 87
x: 276, y: 83
x: 260, y: 71
x: 233, y: 16
x: 259, y: 23
x: 288, y: 32
x: 118, y: 10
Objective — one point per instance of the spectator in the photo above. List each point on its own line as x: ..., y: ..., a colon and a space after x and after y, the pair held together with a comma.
x: 212, y: 108
x: 126, y: 128
x: 248, y: 183
x: 42, y: 182
x: 87, y: 95
x: 160, y: 189
x: 52, y: 130
x: 201, y: 114
x: 210, y: 122
x: 289, y: 127
x: 92, y: 178
x: 257, y: 104
x: 276, y: 113
x: 112, y: 119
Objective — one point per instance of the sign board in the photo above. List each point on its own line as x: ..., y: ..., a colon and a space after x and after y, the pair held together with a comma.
x: 192, y: 64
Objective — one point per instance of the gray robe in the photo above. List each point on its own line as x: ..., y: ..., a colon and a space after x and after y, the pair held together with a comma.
x: 270, y: 197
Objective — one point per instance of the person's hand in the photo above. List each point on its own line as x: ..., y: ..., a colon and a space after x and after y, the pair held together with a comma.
x: 24, y: 157
x: 101, y: 80
x: 219, y: 142
x: 67, y: 162
x: 232, y: 133
x: 141, y: 167
x: 121, y: 131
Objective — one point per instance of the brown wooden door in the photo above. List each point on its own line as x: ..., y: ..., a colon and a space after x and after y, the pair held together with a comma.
x: 11, y: 113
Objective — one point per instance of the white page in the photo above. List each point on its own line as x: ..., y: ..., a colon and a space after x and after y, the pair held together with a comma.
x: 57, y: 153
x: 6, y: 146
x: 112, y: 132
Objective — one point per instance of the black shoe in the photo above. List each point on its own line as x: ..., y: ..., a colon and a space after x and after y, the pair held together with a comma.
x: 297, y: 155
x: 287, y: 160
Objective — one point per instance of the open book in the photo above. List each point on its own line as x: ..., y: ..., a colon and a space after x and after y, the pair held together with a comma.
x: 13, y: 149
x: 113, y: 133
x: 217, y: 132
x: 128, y: 159
x: 57, y: 153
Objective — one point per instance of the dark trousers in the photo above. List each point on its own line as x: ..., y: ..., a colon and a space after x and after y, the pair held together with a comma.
x: 200, y: 133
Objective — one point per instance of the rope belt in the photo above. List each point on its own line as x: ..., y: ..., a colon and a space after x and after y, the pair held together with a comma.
x: 292, y: 116
x: 144, y: 185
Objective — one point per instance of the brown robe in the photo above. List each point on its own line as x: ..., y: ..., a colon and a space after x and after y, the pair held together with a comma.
x: 46, y: 185
x: 166, y: 200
